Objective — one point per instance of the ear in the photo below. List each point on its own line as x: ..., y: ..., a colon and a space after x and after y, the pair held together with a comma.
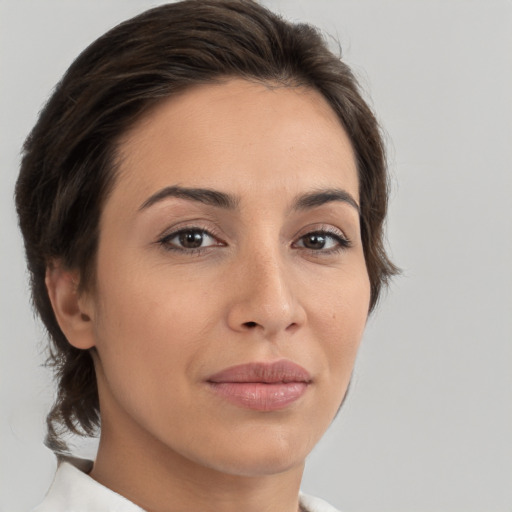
x: 72, y: 310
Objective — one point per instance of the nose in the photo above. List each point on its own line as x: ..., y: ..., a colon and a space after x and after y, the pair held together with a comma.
x: 264, y: 296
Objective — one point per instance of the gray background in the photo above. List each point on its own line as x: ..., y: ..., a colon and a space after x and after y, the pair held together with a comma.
x: 428, y: 424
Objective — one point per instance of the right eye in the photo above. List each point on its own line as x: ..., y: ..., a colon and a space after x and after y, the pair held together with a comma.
x: 189, y: 240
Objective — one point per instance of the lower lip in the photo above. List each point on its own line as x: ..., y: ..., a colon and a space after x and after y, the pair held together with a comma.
x: 260, y: 396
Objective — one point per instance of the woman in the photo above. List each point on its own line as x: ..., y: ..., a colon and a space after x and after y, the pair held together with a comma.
x: 202, y: 202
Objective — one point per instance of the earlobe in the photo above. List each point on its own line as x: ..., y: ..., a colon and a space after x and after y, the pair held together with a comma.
x: 71, y: 311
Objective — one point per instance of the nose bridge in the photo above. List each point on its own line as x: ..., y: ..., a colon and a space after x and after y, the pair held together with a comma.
x: 271, y: 289
x: 265, y: 297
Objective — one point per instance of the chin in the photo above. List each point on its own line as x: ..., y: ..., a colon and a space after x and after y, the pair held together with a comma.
x: 261, y: 465
x: 260, y: 456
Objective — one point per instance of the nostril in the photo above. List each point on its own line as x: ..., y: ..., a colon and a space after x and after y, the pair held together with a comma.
x: 251, y: 325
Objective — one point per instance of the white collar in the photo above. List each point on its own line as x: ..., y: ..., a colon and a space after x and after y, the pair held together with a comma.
x: 73, y: 490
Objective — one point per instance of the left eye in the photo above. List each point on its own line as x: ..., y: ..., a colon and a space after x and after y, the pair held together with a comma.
x: 189, y: 239
x: 321, y: 240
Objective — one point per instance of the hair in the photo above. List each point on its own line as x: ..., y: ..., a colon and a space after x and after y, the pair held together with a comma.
x: 69, y: 159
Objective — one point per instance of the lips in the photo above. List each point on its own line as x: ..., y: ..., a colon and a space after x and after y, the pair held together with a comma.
x: 261, y: 386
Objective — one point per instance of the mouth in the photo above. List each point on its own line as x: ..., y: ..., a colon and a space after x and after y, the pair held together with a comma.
x: 261, y: 386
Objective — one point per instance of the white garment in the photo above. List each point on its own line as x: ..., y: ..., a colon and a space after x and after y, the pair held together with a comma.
x: 75, y: 491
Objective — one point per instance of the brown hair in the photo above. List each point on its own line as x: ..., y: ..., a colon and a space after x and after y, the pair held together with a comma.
x: 68, y: 164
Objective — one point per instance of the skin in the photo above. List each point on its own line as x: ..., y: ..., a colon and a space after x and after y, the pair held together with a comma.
x: 162, y: 318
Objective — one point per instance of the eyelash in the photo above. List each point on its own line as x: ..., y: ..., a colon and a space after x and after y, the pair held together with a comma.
x: 342, y: 242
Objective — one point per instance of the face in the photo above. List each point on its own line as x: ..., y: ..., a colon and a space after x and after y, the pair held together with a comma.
x: 232, y: 290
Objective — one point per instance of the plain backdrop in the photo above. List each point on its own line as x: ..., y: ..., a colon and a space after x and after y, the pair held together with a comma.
x: 428, y: 423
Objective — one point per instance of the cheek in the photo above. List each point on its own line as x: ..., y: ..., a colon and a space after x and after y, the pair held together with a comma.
x: 147, y: 335
x: 135, y: 296
x: 144, y: 325
x: 342, y: 318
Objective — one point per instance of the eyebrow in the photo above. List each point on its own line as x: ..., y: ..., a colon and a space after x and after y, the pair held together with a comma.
x: 227, y: 201
x: 321, y: 197
x: 201, y: 195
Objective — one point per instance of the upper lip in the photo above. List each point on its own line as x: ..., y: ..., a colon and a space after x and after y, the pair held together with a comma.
x: 268, y: 373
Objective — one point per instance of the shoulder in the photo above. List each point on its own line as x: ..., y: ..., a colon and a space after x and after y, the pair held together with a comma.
x: 313, y: 504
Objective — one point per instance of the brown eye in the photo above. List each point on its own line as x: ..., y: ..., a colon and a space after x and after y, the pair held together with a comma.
x: 314, y: 241
x: 324, y: 242
x: 191, y: 239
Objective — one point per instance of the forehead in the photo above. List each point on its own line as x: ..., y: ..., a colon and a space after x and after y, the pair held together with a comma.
x: 240, y: 136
